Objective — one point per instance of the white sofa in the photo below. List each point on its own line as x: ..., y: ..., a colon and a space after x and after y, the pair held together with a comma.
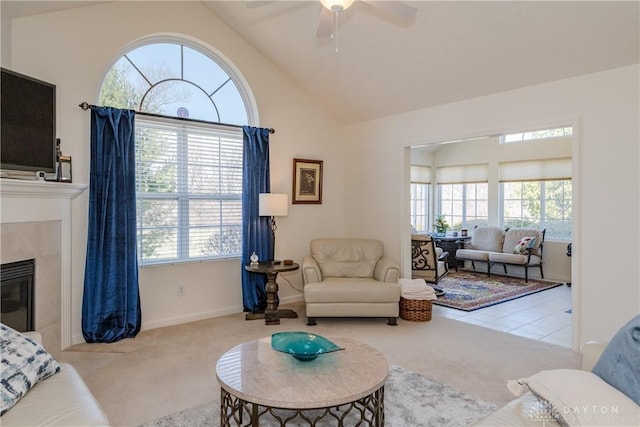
x: 605, y: 392
x: 62, y: 400
x: 519, y: 412
x: 350, y: 278
x: 492, y: 245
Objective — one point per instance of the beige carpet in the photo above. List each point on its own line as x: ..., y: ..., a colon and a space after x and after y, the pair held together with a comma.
x: 169, y: 369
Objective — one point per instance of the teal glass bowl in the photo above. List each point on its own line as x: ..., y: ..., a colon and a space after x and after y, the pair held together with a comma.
x: 302, y: 345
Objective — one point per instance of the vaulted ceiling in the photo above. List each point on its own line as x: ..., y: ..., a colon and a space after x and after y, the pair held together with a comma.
x: 450, y: 51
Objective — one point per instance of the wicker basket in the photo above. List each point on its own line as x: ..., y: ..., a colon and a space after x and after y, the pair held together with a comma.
x: 415, y: 310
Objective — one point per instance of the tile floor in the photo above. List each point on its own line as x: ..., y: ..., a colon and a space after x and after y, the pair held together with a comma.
x: 542, y: 316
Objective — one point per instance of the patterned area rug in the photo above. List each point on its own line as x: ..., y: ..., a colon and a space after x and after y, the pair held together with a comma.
x: 410, y: 399
x: 468, y: 291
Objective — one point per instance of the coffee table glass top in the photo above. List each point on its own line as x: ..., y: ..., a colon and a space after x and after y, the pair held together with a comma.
x: 255, y: 372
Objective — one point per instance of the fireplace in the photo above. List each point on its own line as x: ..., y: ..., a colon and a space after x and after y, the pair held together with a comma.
x: 38, y: 243
x: 35, y: 223
x: 16, y: 287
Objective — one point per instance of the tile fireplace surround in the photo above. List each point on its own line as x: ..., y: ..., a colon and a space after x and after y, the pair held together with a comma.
x: 35, y: 222
x: 41, y: 241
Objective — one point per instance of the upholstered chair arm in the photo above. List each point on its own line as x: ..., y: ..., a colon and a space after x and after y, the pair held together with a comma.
x: 591, y: 352
x: 311, y: 270
x: 441, y: 255
x: 386, y: 271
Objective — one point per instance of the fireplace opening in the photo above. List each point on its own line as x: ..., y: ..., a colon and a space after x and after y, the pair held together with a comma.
x: 16, y: 286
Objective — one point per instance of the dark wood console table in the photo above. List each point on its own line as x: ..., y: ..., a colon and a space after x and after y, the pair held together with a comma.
x: 272, y: 314
x: 451, y: 244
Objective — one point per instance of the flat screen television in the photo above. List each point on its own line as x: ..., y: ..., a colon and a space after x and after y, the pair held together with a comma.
x: 27, y: 123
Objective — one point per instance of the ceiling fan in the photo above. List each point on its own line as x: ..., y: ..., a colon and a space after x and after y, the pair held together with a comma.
x: 327, y: 23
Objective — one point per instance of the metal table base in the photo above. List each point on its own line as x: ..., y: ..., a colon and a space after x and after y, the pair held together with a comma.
x: 367, y: 411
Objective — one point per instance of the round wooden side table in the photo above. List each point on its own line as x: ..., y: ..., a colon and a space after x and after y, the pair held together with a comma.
x: 272, y: 314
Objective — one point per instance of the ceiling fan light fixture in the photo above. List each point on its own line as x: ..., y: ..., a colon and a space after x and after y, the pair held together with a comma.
x: 337, y: 5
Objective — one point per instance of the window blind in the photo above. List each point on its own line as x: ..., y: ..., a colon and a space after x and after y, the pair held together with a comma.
x: 421, y: 174
x: 188, y: 190
x: 536, y: 170
x: 462, y: 174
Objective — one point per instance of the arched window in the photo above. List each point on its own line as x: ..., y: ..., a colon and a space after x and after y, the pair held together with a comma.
x: 188, y: 172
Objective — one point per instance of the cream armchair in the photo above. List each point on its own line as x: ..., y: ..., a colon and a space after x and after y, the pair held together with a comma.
x: 350, y: 278
x: 428, y: 262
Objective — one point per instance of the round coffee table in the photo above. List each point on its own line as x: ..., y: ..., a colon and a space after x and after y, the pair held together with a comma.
x: 260, y: 386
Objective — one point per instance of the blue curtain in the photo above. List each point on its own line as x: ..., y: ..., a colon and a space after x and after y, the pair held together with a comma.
x: 256, y: 230
x: 111, y: 300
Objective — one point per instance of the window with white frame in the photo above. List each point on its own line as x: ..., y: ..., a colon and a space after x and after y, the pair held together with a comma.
x: 463, y: 195
x: 188, y: 172
x: 538, y: 194
x: 464, y: 205
x: 420, y: 197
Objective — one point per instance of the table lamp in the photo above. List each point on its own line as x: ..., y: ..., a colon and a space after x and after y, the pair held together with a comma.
x: 273, y: 205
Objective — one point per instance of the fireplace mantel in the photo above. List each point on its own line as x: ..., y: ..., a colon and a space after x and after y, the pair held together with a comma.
x: 48, y: 189
x: 23, y: 203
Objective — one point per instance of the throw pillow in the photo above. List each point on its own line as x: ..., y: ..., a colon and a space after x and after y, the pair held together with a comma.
x: 577, y: 398
x: 523, y: 246
x: 24, y: 363
x: 619, y: 364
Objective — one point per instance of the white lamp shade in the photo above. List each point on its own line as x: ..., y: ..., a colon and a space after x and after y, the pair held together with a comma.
x: 271, y: 204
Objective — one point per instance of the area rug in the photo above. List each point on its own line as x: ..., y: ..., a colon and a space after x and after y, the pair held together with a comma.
x: 410, y: 400
x: 468, y: 290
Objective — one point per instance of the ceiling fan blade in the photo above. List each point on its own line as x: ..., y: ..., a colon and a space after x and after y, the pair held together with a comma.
x: 324, y: 23
x: 396, y: 9
x: 258, y: 3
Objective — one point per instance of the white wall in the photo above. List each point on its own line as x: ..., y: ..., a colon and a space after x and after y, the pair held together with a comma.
x: 73, y: 49
x: 5, y: 40
x: 603, y: 107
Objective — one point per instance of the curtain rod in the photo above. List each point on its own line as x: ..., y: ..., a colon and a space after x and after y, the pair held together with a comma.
x: 85, y: 106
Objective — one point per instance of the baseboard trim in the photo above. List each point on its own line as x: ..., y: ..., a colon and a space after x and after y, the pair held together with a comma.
x: 193, y: 317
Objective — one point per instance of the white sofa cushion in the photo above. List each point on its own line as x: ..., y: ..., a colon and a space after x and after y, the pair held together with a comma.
x: 472, y: 255
x: 513, y: 258
x: 487, y: 238
x: 526, y: 411
x: 347, y: 257
x: 579, y: 398
x: 356, y: 290
x: 24, y: 363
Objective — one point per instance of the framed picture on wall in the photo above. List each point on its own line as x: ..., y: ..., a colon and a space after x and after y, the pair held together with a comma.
x: 307, y: 181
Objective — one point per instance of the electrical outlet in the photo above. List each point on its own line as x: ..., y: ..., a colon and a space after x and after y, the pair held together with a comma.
x: 182, y: 290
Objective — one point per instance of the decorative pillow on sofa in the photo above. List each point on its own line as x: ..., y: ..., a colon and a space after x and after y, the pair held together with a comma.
x: 24, y: 363
x: 523, y: 246
x: 619, y: 364
x: 578, y: 398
